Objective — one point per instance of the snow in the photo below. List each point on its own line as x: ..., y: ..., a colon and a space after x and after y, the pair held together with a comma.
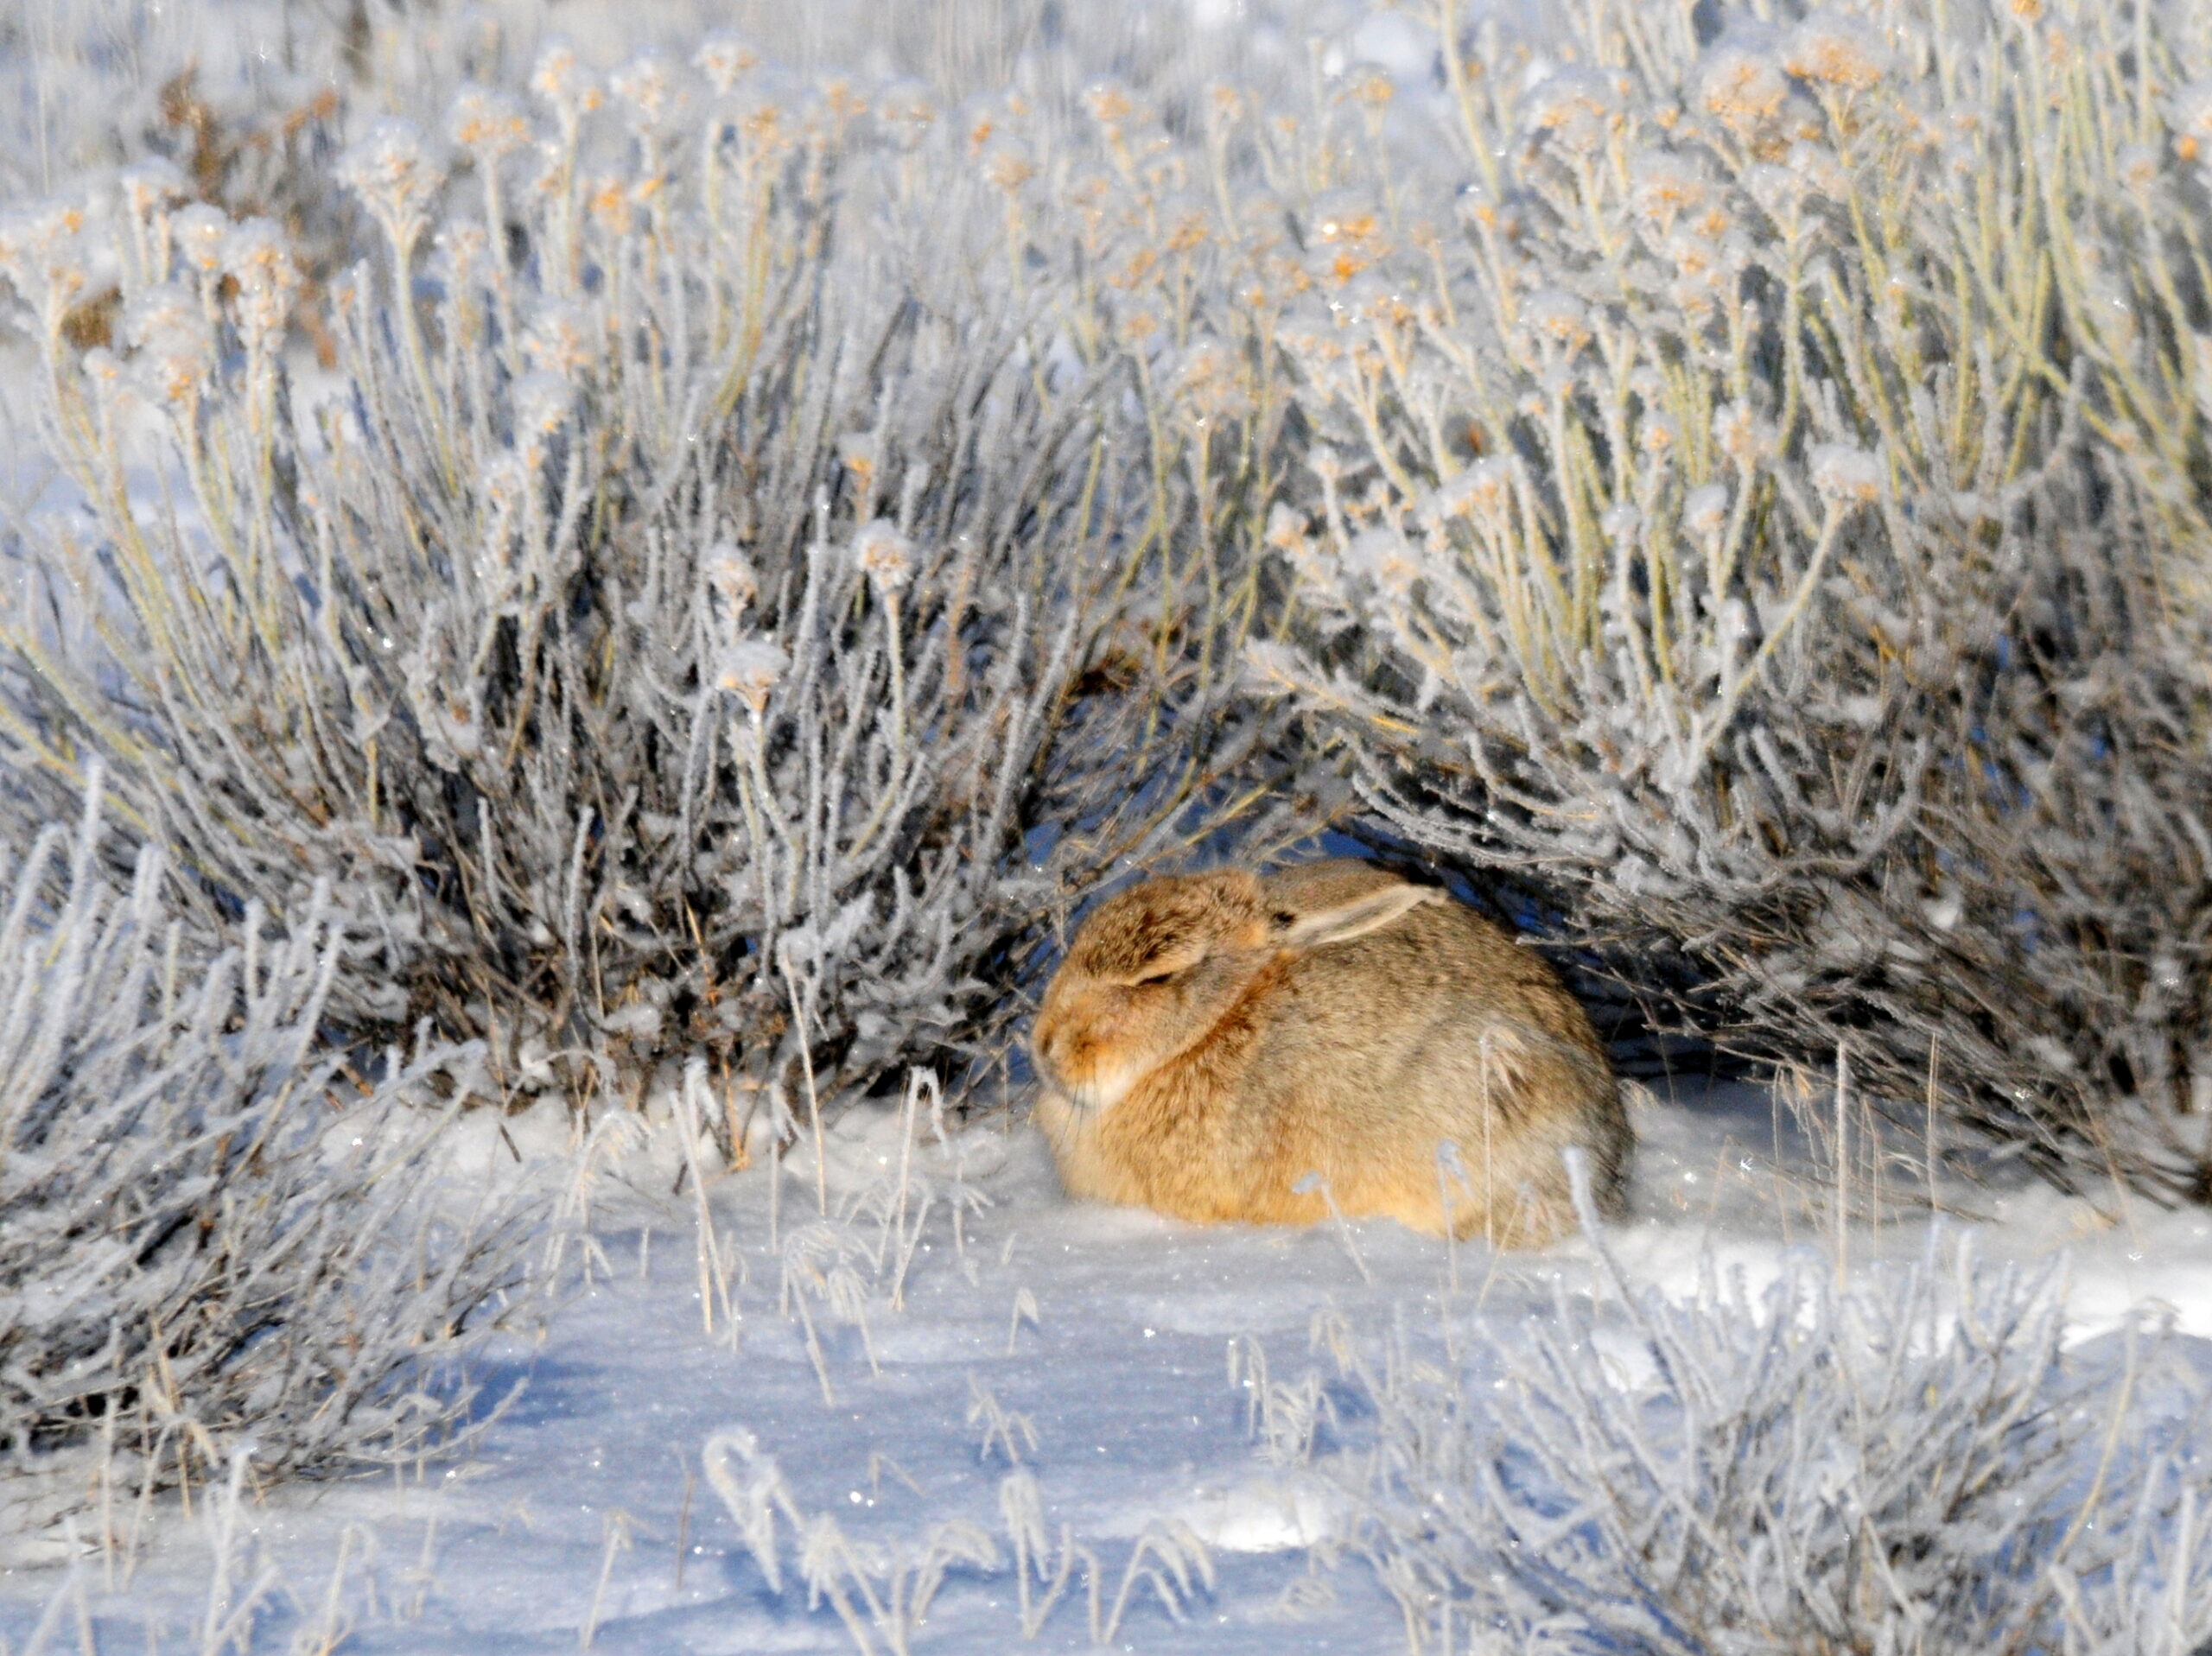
x: 1116, y: 1357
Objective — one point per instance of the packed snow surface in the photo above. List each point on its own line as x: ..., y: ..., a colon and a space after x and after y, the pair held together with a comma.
x: 1110, y: 1356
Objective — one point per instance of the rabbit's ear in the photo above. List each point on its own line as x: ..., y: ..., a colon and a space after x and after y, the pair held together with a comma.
x: 1368, y: 911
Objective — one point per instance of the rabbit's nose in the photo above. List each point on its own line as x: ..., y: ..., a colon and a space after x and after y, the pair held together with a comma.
x: 1050, y: 1040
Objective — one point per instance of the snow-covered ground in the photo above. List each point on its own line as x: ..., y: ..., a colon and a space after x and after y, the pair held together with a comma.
x: 1086, y: 1374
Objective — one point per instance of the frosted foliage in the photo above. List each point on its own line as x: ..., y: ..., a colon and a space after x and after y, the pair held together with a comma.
x: 198, y: 1253
x: 1914, y: 1466
x: 706, y: 611
x: 758, y: 546
x: 1765, y: 515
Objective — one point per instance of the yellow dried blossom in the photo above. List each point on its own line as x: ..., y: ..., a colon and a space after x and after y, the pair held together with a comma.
x: 907, y: 110
x: 1006, y: 167
x: 857, y: 450
x: 1741, y: 436
x: 561, y: 79
x: 1484, y: 489
x: 730, y: 573
x: 1384, y: 557
x: 149, y: 186
x: 725, y: 59
x: 542, y: 402
x: 2137, y: 165
x: 168, y: 332
x: 2190, y: 108
x: 256, y: 258
x: 607, y: 200
x: 487, y: 122
x: 1344, y: 216
x: 1558, y: 316
x: 1286, y: 530
x: 392, y: 172
x: 561, y: 339
x: 198, y: 231
x: 1664, y: 185
x: 750, y: 671
x: 646, y: 86
x: 1705, y: 512
x: 1843, y: 474
x: 1578, y: 109
x: 1110, y: 105
x: 1836, y: 51
x: 884, y: 553
x: 1742, y: 87
x: 1370, y: 85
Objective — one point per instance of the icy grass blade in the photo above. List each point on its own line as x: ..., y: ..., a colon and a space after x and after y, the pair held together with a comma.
x: 885, y: 1589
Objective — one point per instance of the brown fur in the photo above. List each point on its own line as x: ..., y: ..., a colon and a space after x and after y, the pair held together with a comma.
x: 1329, y: 1018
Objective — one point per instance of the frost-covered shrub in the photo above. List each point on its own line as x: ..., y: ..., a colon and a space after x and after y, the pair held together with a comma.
x: 232, y: 93
x: 1743, y: 481
x: 211, y: 1237
x: 1914, y: 1465
x: 1766, y: 513
x: 709, y: 608
x: 82, y: 86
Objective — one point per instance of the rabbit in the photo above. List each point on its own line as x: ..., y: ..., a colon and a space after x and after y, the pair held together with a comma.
x: 1210, y: 1040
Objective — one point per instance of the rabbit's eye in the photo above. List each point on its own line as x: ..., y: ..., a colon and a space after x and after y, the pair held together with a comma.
x: 1157, y: 977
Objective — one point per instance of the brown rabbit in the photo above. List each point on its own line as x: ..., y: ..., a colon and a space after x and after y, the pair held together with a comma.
x: 1212, y: 1039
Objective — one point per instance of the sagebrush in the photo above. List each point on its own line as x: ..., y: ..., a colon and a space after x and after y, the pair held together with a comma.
x: 213, y: 1236
x: 1914, y: 1464
x: 1736, y: 478
x: 714, y: 604
x: 1763, y: 515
